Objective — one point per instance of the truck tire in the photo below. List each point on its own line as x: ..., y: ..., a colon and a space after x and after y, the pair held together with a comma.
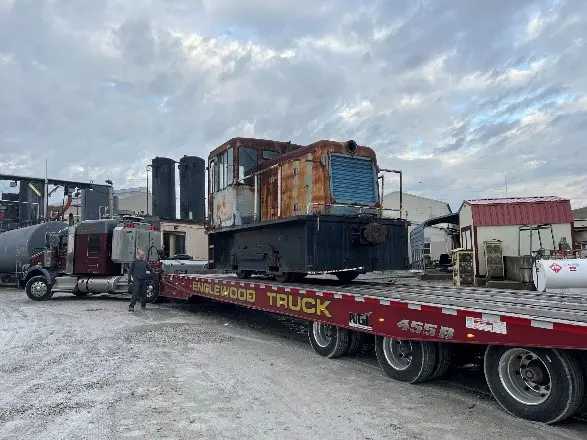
x: 446, y: 354
x: 38, y: 289
x: 328, y: 340
x: 78, y: 293
x: 406, y: 361
x: 153, y: 290
x: 539, y: 384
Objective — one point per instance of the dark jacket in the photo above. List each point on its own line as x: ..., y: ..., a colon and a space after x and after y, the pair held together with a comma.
x: 138, y: 269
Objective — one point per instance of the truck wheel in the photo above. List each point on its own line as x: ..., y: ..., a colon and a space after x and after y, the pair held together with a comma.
x: 328, y: 340
x: 406, y: 361
x: 445, y: 356
x: 347, y: 277
x: 78, y: 293
x: 153, y: 290
x: 37, y: 288
x: 540, y: 384
x: 355, y: 344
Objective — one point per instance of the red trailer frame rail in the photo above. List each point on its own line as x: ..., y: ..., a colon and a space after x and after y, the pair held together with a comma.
x: 534, y: 362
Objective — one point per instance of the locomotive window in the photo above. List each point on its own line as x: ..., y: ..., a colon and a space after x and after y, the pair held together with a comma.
x: 247, y: 162
x: 221, y: 171
x: 211, y: 176
x: 268, y: 155
x: 94, y: 244
x: 229, y: 167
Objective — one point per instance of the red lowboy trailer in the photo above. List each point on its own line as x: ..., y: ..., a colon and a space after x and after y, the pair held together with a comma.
x: 533, y: 343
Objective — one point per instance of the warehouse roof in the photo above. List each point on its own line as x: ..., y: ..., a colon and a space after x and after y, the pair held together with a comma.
x: 520, y: 211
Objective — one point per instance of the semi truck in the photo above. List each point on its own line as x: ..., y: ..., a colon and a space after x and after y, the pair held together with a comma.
x: 92, y: 257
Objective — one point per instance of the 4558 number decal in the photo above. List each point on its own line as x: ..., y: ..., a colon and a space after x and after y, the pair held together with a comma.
x: 423, y: 328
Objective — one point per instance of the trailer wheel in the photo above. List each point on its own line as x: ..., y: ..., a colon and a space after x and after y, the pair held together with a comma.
x: 347, y: 277
x: 355, y: 344
x: 446, y: 354
x: 38, y: 289
x: 539, y: 384
x: 328, y: 340
x: 153, y: 290
x: 406, y: 361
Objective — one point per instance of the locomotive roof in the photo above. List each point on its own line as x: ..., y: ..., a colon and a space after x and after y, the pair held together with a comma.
x: 326, y: 145
x: 281, y: 146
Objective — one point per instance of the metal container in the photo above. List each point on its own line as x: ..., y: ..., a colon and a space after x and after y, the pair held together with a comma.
x: 95, y: 201
x: 163, y: 198
x: 29, y: 202
x: 192, y: 179
x: 19, y: 245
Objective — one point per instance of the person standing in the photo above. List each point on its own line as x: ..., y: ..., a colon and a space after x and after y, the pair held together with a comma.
x: 138, y: 270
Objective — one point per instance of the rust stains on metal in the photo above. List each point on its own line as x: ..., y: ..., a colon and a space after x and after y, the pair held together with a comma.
x: 293, y: 179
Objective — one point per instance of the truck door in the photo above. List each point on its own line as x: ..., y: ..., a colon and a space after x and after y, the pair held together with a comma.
x: 93, y: 254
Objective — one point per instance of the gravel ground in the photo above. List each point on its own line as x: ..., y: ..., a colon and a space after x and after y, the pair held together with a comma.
x: 85, y: 368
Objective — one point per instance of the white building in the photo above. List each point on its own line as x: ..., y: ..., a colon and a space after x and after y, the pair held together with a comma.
x: 501, y: 219
x: 418, y: 209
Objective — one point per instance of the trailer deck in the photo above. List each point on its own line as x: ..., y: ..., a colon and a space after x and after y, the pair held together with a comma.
x: 499, y: 316
x: 535, y: 344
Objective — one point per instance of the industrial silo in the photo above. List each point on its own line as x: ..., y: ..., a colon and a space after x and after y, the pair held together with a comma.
x: 29, y: 202
x: 163, y: 198
x: 95, y: 202
x: 192, y: 178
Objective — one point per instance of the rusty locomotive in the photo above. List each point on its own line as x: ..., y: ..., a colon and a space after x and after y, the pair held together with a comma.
x: 286, y: 210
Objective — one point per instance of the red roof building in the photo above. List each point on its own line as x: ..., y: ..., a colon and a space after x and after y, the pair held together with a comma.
x: 520, y: 211
x: 506, y: 220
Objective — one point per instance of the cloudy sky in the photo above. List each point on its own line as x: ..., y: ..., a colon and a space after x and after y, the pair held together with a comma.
x: 463, y: 95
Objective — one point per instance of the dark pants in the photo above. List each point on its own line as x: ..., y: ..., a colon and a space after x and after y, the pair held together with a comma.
x: 139, y: 291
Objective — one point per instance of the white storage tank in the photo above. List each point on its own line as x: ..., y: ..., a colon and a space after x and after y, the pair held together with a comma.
x: 560, y: 274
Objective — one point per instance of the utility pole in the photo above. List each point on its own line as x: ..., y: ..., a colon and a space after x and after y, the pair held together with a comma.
x: 149, y: 167
x: 46, y: 192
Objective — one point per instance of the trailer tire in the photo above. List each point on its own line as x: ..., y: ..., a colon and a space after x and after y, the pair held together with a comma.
x: 539, y: 384
x: 582, y: 358
x: 38, y: 289
x: 355, y: 344
x: 446, y: 355
x: 328, y: 340
x: 406, y: 361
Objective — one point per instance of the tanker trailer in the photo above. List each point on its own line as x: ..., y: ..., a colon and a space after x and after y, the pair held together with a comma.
x: 19, y: 245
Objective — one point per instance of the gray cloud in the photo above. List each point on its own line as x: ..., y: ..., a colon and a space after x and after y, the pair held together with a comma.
x: 461, y: 95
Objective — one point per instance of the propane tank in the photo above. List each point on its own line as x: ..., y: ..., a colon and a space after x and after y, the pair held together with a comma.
x: 560, y: 274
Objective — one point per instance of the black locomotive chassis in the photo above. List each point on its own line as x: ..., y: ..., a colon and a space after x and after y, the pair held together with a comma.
x: 312, y: 243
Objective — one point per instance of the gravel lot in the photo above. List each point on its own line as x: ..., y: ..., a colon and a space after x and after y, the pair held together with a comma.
x: 85, y: 368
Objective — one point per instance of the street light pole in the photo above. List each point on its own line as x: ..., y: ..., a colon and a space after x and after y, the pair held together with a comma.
x: 149, y: 168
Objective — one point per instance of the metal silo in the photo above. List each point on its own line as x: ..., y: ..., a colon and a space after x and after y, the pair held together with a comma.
x: 163, y: 198
x: 192, y: 178
x: 95, y: 202
x: 29, y: 201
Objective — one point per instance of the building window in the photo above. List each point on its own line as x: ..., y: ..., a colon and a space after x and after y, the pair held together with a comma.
x: 426, y: 250
x: 94, y: 244
x: 179, y: 244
